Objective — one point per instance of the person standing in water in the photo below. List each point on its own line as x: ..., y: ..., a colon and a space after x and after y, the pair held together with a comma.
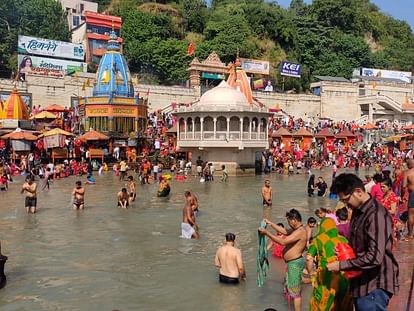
x: 295, y: 243
x: 229, y: 260
x: 132, y: 189
x: 189, y: 227
x: 78, y: 194
x: 267, y: 193
x: 30, y: 188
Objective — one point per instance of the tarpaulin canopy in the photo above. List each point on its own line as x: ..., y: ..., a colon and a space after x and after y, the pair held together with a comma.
x: 44, y: 115
x: 56, y: 131
x: 93, y: 135
x: 18, y: 134
x: 55, y: 108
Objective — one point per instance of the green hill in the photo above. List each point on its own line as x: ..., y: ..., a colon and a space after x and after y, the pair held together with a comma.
x: 328, y: 37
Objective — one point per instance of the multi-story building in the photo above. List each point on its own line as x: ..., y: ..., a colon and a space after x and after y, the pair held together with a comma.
x: 75, y: 10
x: 94, y: 34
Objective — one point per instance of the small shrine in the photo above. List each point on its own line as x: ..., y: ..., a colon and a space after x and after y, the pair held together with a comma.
x: 113, y: 108
x: 225, y: 126
x: 14, y: 112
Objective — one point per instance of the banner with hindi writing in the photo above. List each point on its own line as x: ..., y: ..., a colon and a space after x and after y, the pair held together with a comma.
x: 50, y: 48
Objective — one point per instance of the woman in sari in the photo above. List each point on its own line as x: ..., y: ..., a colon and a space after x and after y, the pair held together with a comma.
x: 330, y: 289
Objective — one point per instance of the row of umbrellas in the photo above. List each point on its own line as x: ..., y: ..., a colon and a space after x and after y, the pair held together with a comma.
x: 18, y: 134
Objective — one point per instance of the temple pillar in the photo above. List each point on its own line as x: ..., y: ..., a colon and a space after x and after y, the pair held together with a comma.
x: 185, y: 129
x: 250, y: 129
x: 241, y: 129
x: 194, y: 78
x: 214, y: 127
x: 228, y: 128
x: 193, y: 128
x: 201, y: 128
x: 110, y: 124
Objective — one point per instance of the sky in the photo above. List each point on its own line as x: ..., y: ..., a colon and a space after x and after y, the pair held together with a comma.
x: 400, y: 9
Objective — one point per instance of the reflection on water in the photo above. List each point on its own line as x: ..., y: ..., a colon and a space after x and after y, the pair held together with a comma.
x: 104, y: 258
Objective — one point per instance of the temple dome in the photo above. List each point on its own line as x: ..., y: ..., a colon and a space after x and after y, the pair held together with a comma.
x: 113, y: 77
x: 14, y: 107
x: 223, y: 95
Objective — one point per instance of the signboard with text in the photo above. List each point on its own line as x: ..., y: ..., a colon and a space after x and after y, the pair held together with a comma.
x: 50, y: 48
x: 255, y: 66
x: 390, y: 74
x: 290, y: 69
x: 111, y: 111
x: 48, y: 66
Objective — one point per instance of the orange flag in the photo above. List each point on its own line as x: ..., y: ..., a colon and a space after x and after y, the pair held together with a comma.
x: 191, y: 49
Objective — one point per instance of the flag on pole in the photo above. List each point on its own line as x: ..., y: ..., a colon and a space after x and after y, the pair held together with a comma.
x: 191, y: 49
x: 88, y: 82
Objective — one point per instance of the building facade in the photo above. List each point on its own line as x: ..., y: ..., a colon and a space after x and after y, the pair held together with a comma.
x: 94, y: 34
x: 75, y: 11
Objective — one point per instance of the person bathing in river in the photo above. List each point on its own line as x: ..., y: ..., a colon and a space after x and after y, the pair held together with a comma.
x: 267, y: 194
x: 78, y: 194
x: 123, y: 199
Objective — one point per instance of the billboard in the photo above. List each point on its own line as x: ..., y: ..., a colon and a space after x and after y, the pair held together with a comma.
x: 255, y: 66
x: 390, y: 74
x: 50, y: 48
x: 48, y: 66
x: 290, y: 69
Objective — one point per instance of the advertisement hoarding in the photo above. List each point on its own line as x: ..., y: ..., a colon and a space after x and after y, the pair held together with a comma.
x: 48, y: 66
x: 390, y: 74
x: 255, y: 66
x: 50, y: 48
x: 290, y: 69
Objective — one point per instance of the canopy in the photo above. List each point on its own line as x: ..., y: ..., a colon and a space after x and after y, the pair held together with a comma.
x: 281, y: 132
x: 44, y: 115
x: 55, y: 108
x: 345, y: 134
x: 325, y: 132
x: 302, y: 132
x: 408, y: 127
x: 18, y: 134
x: 93, y: 135
x: 369, y: 126
x: 396, y: 137
x: 56, y: 131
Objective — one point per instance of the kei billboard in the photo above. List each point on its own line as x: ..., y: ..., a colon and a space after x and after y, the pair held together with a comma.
x: 290, y: 69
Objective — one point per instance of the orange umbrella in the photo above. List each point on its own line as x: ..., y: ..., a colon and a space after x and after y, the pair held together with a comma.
x: 55, y: 108
x: 408, y: 127
x: 369, y: 126
x: 19, y: 135
x: 93, y: 135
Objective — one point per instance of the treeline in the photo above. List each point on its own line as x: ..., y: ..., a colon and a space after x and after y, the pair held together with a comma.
x: 328, y: 37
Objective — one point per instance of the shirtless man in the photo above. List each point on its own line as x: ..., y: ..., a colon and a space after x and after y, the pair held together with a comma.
x: 132, y: 189
x: 123, y: 199
x: 78, y: 194
x: 189, y: 227
x: 229, y: 261
x: 408, y: 183
x: 267, y: 193
x: 191, y: 200
x: 30, y: 188
x: 295, y: 243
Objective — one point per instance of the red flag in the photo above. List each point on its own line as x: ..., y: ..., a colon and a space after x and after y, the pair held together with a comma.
x: 191, y: 49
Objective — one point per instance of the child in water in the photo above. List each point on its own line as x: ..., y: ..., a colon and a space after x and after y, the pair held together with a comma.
x: 224, y: 175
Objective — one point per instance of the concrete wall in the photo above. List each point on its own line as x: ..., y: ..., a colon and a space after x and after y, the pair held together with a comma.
x: 337, y: 101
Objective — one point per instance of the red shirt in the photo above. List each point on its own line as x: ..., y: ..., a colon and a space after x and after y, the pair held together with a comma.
x: 376, y: 192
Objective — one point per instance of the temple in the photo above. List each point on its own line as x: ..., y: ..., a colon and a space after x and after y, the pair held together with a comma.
x: 226, y: 126
x: 14, y: 112
x: 113, y: 108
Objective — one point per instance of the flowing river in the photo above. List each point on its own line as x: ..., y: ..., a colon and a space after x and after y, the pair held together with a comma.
x: 104, y: 258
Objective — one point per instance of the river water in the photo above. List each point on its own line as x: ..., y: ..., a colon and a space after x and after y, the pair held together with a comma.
x: 104, y: 258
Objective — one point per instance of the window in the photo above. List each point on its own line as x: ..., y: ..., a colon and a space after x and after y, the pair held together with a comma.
x: 99, y: 123
x: 76, y: 21
x: 124, y: 125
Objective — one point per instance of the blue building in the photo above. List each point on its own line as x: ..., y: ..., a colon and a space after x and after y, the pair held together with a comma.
x: 113, y: 108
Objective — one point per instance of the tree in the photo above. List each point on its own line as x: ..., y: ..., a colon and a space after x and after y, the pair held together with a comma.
x: 194, y: 13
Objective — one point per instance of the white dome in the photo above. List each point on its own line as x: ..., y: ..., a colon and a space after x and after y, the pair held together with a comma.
x: 223, y: 95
